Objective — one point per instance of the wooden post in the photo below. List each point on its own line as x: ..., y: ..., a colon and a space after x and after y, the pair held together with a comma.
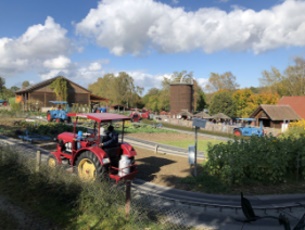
x: 38, y: 160
x: 127, y: 203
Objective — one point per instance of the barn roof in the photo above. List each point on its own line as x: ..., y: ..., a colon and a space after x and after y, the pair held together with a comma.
x: 297, y: 103
x: 277, y: 112
x: 47, y: 82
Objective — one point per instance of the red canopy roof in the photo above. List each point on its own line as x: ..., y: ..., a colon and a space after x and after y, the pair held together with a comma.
x: 99, y: 117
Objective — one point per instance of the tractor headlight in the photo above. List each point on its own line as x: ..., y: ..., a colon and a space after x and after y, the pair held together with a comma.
x: 106, y: 161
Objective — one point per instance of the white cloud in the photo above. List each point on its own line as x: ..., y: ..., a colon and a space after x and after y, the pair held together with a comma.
x: 147, y: 80
x: 39, y: 45
x: 95, y: 66
x: 60, y: 62
x: 134, y: 26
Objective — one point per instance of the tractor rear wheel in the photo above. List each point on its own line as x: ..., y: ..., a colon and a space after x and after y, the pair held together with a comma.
x: 52, y: 161
x: 237, y: 133
x: 89, y: 168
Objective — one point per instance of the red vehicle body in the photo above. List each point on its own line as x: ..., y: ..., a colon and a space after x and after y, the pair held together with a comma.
x: 91, y: 161
x: 137, y: 116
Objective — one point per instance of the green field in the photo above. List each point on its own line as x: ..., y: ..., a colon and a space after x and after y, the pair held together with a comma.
x: 202, y: 145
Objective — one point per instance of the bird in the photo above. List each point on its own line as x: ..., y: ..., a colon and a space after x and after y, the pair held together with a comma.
x: 247, y: 209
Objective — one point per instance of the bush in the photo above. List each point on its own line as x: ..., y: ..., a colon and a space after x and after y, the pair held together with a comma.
x: 260, y: 159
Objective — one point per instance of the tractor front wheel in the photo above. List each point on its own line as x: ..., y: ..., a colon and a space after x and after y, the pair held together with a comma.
x: 89, y: 168
x: 52, y: 161
x: 237, y: 133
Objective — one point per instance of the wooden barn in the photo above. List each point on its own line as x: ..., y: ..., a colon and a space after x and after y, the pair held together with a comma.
x: 274, y: 116
x: 41, y: 93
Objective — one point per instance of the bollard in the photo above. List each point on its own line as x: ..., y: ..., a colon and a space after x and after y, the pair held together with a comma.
x: 38, y: 160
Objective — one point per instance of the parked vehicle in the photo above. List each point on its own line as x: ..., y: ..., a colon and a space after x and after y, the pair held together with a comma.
x: 3, y: 102
x: 59, y: 112
x: 247, y: 130
x: 83, y: 151
x: 138, y: 116
x: 135, y: 117
x: 100, y: 110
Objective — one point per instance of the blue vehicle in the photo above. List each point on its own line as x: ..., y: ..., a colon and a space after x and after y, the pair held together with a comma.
x: 247, y: 130
x: 58, y: 113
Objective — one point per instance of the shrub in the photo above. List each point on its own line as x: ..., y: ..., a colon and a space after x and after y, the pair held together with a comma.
x: 260, y: 159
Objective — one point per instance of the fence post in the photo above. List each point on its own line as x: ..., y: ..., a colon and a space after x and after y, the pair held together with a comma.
x: 38, y: 160
x: 127, y: 202
x: 156, y: 149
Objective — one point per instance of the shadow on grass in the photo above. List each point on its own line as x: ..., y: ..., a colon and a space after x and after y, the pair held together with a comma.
x: 150, y: 165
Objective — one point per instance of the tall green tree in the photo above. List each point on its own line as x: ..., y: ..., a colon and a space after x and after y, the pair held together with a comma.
x: 222, y: 102
x: 151, y: 100
x: 217, y: 82
x: 118, y: 89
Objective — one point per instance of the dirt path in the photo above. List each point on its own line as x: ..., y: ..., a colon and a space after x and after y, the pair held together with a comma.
x: 162, y: 169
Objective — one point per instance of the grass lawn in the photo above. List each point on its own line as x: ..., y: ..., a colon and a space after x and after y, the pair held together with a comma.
x: 202, y: 145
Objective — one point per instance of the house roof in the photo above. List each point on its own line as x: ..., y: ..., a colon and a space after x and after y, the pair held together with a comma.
x: 221, y: 116
x: 297, y: 103
x: 277, y: 112
x: 185, y: 113
x: 202, y: 115
x: 46, y: 82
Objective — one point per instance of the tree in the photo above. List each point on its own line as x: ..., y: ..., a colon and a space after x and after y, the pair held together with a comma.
x: 60, y: 88
x: 151, y: 100
x: 25, y: 84
x: 217, y: 82
x: 2, y: 86
x: 246, y: 101
x: 14, y: 89
x: 241, y: 99
x: 118, y: 89
x: 199, y: 98
x: 222, y: 102
x: 291, y: 83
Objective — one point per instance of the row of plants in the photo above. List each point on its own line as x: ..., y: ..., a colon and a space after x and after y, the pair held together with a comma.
x: 58, y: 200
x: 268, y: 160
x: 52, y: 129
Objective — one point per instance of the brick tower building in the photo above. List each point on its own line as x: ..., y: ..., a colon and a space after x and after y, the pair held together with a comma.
x: 181, y: 95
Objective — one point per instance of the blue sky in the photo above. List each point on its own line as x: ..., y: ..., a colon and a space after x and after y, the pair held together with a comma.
x: 85, y: 39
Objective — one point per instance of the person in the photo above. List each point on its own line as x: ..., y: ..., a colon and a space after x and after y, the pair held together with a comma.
x: 111, y: 138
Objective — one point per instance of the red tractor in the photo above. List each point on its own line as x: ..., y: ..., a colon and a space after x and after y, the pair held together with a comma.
x: 84, y: 154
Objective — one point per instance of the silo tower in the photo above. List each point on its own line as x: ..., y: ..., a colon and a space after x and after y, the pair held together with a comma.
x: 181, y: 94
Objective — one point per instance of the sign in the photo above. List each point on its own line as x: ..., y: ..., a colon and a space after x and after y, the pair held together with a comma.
x: 198, y: 122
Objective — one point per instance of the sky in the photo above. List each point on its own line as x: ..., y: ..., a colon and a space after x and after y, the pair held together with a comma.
x: 83, y: 40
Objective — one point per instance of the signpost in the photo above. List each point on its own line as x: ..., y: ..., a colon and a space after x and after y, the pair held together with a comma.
x: 198, y: 123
